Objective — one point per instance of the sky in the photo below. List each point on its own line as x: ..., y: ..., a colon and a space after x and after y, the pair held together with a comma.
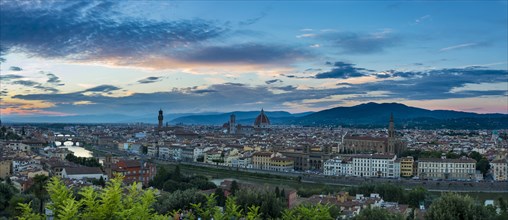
x: 133, y: 57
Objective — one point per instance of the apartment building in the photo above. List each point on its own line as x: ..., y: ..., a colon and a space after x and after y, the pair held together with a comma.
x: 448, y: 169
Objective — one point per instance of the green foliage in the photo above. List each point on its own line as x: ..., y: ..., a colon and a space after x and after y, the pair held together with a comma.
x: 232, y: 210
x: 323, y: 189
x: 99, y: 182
x: 393, y: 193
x: 178, y: 200
x: 475, y: 155
x: 89, y: 162
x: 27, y: 213
x: 451, y: 206
x: 6, y: 193
x: 234, y: 187
x: 13, y: 211
x: 415, y: 196
x: 378, y: 214
x: 270, y: 205
x: 8, y: 134
x: 108, y: 203
x: 39, y: 190
x: 483, y: 166
x: 318, y: 212
x: 253, y: 213
x: 173, y: 181
x: 220, y: 197
x: 209, y: 209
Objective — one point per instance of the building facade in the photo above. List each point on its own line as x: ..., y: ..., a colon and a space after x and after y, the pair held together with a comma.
x: 447, y: 169
x: 5, y: 167
x: 364, y: 144
x: 499, y: 169
x: 375, y: 165
x: 339, y: 166
x: 407, y: 166
x: 282, y: 164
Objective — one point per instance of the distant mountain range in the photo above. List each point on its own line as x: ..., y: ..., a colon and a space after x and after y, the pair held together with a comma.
x: 366, y: 115
x: 376, y: 115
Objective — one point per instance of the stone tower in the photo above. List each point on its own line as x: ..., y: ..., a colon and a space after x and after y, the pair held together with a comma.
x: 161, y: 118
x: 232, y: 124
x: 391, y: 128
x: 107, y: 166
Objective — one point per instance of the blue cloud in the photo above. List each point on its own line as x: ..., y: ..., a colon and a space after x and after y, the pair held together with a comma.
x: 15, y: 68
x: 246, y: 53
x: 273, y: 81
x: 151, y: 79
x: 92, y: 30
x: 343, y: 70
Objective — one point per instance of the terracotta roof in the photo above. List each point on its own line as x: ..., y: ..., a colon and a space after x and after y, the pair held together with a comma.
x: 129, y: 163
x: 365, y: 138
x: 262, y: 119
x: 374, y: 156
x: 447, y: 160
x: 82, y: 170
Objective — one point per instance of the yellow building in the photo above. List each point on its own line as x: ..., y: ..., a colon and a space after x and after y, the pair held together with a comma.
x: 5, y: 167
x: 261, y: 160
x: 282, y: 164
x: 406, y: 166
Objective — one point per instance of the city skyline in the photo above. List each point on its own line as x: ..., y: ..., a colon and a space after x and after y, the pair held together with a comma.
x: 77, y: 57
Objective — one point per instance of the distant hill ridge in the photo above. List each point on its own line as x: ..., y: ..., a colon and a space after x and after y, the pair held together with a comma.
x: 364, y: 115
x: 379, y: 113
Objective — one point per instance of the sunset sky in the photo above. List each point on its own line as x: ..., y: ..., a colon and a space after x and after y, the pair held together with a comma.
x: 131, y: 57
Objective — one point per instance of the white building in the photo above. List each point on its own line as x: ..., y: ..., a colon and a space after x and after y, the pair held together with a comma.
x: 375, y: 165
x: 165, y: 153
x: 152, y: 151
x: 339, y: 166
x: 449, y: 169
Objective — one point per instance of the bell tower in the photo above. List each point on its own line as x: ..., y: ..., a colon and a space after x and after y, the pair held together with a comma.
x: 232, y: 124
x: 391, y: 128
x: 161, y: 118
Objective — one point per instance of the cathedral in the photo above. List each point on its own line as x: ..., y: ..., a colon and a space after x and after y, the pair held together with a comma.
x: 365, y: 144
x: 261, y: 124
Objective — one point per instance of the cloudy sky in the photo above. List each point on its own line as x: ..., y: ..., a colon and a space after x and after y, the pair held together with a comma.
x: 134, y: 57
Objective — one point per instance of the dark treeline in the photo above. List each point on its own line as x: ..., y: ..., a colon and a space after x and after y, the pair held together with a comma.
x: 89, y: 162
x: 171, y: 181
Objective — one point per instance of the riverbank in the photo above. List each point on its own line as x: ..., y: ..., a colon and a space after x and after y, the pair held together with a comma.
x: 323, y: 185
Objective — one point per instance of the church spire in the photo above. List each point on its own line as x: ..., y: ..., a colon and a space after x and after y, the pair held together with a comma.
x: 391, y: 127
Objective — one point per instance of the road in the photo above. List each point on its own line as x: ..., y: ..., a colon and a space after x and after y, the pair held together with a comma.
x: 438, y: 186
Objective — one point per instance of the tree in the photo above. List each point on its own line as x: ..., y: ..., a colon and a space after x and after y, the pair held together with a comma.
x: 378, y: 214
x: 234, y: 187
x: 451, y: 206
x: 220, y: 197
x: 502, y: 204
x: 476, y: 156
x: 415, y: 196
x: 102, y: 182
x: 483, y: 165
x: 283, y: 194
x: 178, y: 200
x: 39, y: 190
x: 319, y: 211
x: 176, y: 175
x: 109, y: 203
x: 277, y: 192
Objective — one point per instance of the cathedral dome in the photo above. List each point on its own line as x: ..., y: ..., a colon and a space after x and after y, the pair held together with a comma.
x: 262, y: 120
